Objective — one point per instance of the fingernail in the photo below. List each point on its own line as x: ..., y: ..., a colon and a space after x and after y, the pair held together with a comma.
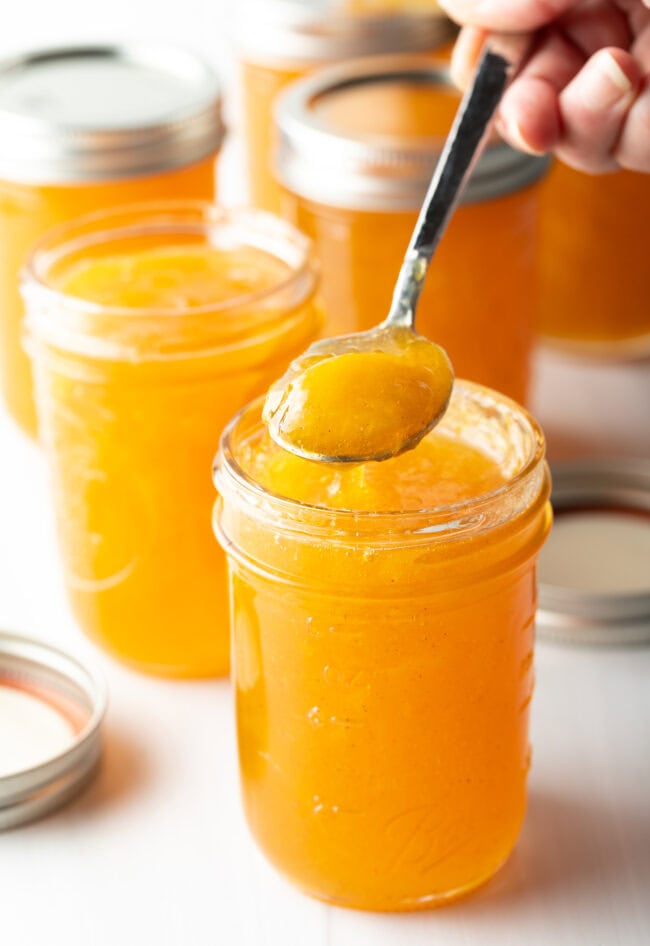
x: 457, y: 72
x: 510, y: 129
x: 604, y: 83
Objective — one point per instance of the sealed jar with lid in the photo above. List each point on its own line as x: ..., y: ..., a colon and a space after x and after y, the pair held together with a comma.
x: 383, y: 647
x: 281, y: 40
x: 595, y: 272
x: 148, y: 328
x: 357, y: 148
x: 85, y: 128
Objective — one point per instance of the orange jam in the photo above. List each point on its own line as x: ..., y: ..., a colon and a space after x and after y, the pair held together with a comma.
x: 358, y: 146
x: 595, y: 272
x: 92, y: 152
x: 282, y: 41
x: 360, y: 397
x: 147, y: 329
x: 383, y: 646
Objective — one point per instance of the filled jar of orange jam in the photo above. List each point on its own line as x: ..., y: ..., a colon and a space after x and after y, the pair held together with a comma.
x: 383, y: 620
x: 357, y: 148
x: 84, y: 129
x: 595, y: 272
x: 282, y: 40
x: 148, y: 328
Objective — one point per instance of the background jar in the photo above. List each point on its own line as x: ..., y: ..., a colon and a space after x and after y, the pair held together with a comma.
x: 383, y: 670
x: 130, y: 403
x: 357, y: 148
x: 282, y: 40
x: 86, y: 128
x: 594, y: 262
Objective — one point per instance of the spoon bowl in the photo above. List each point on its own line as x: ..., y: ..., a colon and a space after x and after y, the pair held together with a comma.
x: 348, y: 379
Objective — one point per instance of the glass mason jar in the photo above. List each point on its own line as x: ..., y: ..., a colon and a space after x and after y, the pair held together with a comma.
x: 383, y: 669
x: 131, y: 398
x: 282, y: 40
x: 357, y: 148
x: 595, y: 273
x: 69, y: 147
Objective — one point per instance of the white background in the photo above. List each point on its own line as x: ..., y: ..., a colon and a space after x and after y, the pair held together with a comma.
x: 156, y: 851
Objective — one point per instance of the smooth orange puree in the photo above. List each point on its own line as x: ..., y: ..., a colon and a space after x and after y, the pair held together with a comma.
x: 383, y: 647
x: 174, y: 277
x: 175, y: 340
x: 439, y: 471
x: 373, y: 402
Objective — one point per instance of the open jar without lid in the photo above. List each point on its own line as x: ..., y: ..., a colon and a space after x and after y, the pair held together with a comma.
x: 148, y: 327
x: 383, y: 658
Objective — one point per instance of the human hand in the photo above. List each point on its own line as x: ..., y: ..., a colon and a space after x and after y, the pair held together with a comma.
x: 583, y: 91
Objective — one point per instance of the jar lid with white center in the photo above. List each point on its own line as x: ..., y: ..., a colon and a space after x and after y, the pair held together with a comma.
x: 594, y: 571
x: 51, y: 712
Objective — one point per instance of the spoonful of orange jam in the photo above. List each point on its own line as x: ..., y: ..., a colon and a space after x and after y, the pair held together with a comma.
x: 372, y: 395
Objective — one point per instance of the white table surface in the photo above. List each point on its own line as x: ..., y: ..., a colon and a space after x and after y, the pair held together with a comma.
x: 156, y: 850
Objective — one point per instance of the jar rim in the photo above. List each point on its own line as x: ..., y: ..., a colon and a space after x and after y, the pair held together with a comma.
x: 463, y: 516
x: 379, y: 172
x: 49, y: 249
x: 58, y: 322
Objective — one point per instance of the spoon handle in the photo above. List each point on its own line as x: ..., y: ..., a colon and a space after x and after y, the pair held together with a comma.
x: 459, y: 154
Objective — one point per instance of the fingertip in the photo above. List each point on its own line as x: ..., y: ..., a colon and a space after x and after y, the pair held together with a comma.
x: 610, y: 79
x: 632, y: 150
x: 529, y: 117
x: 465, y: 55
x: 594, y: 108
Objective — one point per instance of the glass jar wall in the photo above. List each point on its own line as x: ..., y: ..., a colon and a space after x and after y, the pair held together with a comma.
x: 383, y: 652
x: 358, y: 145
x: 69, y: 148
x: 148, y: 328
x: 594, y: 262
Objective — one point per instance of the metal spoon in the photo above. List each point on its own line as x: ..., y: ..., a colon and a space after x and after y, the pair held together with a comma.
x: 288, y: 398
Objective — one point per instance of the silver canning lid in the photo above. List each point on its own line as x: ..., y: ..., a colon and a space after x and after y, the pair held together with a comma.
x: 610, y: 603
x: 356, y: 172
x: 65, y: 686
x: 321, y: 31
x: 93, y: 113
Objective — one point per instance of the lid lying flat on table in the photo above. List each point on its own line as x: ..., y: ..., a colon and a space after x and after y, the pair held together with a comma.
x: 313, y: 31
x: 51, y: 710
x: 594, y: 572
x: 105, y: 112
x: 344, y: 138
